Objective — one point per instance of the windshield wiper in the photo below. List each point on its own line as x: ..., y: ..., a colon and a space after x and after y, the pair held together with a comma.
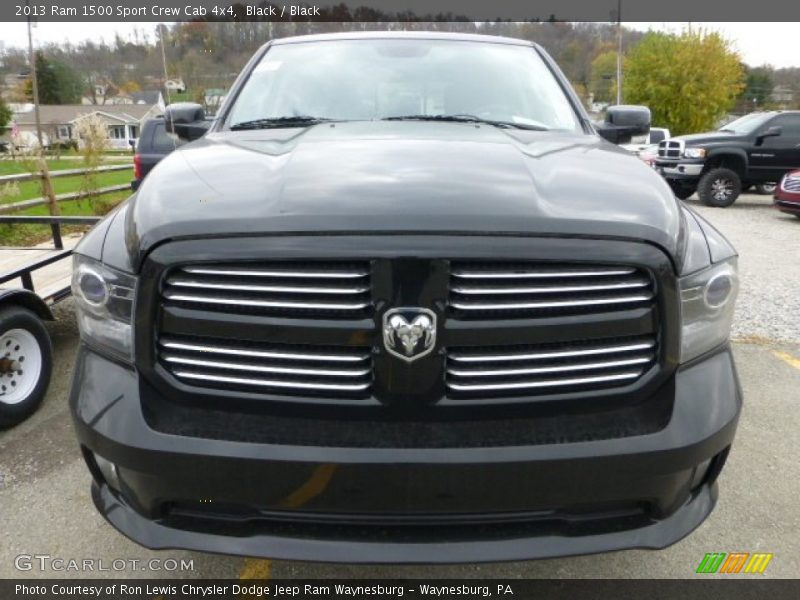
x: 468, y: 119
x: 275, y: 122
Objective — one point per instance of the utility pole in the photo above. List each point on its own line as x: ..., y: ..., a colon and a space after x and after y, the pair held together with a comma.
x: 619, y: 51
x: 47, y: 186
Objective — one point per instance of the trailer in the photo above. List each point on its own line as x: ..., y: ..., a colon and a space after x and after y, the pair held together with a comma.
x: 32, y: 280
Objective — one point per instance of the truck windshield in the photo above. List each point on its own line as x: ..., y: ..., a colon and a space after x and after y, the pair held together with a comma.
x: 297, y: 84
x: 746, y: 124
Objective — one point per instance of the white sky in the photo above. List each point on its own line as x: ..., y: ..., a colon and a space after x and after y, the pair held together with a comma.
x: 758, y: 43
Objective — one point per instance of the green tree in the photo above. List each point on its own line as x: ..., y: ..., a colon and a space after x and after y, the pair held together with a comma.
x: 603, y: 83
x: 758, y: 87
x: 58, y: 84
x: 689, y: 80
x: 5, y: 115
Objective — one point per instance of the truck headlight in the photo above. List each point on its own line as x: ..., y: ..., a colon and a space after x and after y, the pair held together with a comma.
x: 707, y: 300
x: 104, y: 305
x: 694, y: 153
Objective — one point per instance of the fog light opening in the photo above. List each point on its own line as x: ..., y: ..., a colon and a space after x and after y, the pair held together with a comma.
x: 700, y: 472
x: 109, y: 471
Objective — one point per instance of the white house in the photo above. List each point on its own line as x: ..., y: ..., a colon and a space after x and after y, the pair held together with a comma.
x: 58, y: 121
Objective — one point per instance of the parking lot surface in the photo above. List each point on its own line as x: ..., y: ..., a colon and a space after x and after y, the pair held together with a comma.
x: 46, y: 509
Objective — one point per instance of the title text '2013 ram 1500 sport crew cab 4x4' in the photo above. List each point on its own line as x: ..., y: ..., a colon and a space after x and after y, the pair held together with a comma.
x: 402, y: 303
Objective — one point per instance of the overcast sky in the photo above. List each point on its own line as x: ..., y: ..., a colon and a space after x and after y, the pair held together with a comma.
x: 758, y: 43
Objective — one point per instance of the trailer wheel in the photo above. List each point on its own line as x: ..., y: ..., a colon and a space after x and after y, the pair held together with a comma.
x: 26, y: 362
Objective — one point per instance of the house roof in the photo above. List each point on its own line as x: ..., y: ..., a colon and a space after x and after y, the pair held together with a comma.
x: 146, y: 97
x: 62, y: 114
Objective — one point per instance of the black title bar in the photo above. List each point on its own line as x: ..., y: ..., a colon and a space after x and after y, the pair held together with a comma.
x: 400, y: 10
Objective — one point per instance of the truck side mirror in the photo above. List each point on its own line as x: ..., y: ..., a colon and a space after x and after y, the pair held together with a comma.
x: 773, y: 131
x: 187, y: 120
x: 623, y: 121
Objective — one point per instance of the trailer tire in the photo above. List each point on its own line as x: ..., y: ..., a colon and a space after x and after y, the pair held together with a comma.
x: 26, y: 363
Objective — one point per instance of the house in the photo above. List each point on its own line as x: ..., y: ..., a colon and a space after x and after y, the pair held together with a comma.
x: 783, y: 95
x: 175, y: 85
x: 148, y: 97
x: 58, y: 121
x: 213, y: 99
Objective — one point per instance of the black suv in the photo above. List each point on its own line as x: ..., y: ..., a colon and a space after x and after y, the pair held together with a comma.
x: 756, y: 149
x: 402, y: 303
x: 154, y: 143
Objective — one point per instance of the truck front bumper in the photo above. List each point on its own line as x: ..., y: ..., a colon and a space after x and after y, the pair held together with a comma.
x: 679, y: 170
x: 405, y: 505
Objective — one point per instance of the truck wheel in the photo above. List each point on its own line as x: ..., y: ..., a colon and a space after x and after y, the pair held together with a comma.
x: 719, y: 187
x: 681, y: 192
x: 766, y: 188
x: 26, y: 362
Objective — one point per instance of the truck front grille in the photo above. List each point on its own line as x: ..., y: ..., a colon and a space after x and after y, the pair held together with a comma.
x: 307, y: 289
x: 267, y: 368
x: 548, y: 368
x: 671, y: 149
x: 481, y: 290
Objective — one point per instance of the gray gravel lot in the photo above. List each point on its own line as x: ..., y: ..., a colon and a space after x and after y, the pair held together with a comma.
x: 45, y: 506
x: 768, y: 242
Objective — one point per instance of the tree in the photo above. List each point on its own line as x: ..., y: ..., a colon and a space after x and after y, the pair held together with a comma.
x: 603, y: 83
x: 689, y: 80
x: 757, y: 89
x: 58, y: 84
x: 5, y: 114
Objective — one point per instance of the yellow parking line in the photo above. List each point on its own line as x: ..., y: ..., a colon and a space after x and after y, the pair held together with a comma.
x: 787, y: 358
x: 256, y: 568
x: 259, y: 568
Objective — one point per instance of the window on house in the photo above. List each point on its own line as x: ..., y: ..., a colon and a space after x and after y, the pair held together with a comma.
x: 64, y: 132
x: 116, y: 132
x: 134, y: 132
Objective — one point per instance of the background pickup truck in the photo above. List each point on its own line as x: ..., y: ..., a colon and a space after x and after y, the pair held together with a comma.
x: 756, y: 149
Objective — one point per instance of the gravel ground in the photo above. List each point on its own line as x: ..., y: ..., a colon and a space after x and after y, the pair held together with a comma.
x: 768, y: 242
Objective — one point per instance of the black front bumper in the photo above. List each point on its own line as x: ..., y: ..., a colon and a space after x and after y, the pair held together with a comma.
x: 413, y: 505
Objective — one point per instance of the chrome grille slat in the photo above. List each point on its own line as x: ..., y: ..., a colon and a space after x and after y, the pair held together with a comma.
x: 295, y: 370
x: 553, y: 289
x: 262, y: 369
x: 551, y: 369
x: 277, y: 273
x: 521, y: 385
x: 545, y: 355
x: 318, y: 289
x: 265, y: 288
x: 551, y: 304
x: 493, y: 291
x: 265, y: 354
x: 274, y: 383
x: 548, y: 368
x: 540, y: 274
x: 264, y: 303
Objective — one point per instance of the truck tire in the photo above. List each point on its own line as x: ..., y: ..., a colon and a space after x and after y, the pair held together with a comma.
x: 681, y: 191
x: 766, y: 189
x: 719, y: 187
x: 26, y: 362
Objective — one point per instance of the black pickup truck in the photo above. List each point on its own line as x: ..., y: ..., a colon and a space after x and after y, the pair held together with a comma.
x: 756, y: 149
x: 402, y: 303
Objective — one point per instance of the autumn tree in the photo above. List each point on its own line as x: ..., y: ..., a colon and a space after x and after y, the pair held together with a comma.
x: 603, y: 83
x: 5, y: 114
x: 688, y: 80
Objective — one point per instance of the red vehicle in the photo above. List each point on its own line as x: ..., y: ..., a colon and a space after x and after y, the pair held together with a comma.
x: 787, y: 194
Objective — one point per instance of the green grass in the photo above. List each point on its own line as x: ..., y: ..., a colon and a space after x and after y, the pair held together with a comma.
x: 61, y: 185
x: 12, y: 167
x: 26, y: 234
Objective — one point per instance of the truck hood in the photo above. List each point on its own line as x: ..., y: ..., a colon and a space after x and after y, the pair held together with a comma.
x: 708, y: 139
x: 416, y: 177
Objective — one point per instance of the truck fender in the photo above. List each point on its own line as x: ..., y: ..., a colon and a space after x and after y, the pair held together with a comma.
x: 738, y: 153
x: 26, y: 299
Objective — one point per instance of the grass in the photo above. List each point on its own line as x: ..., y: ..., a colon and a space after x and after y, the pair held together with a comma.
x: 20, y: 234
x: 13, y: 167
x: 32, y: 189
